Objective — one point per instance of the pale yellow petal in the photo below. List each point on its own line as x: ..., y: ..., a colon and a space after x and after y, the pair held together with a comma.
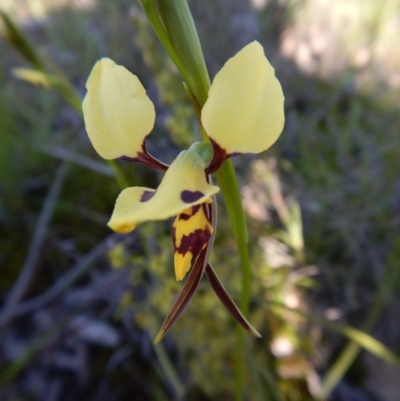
x: 184, y: 185
x: 191, y: 232
x: 118, y: 114
x: 244, y: 110
x: 128, y: 201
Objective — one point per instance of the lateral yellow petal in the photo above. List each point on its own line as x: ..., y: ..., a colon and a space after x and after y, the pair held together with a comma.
x: 244, y: 110
x: 118, y: 114
x: 191, y: 232
x: 128, y: 200
x: 184, y: 185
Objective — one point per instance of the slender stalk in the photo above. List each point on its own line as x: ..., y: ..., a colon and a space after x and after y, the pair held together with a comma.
x: 230, y: 190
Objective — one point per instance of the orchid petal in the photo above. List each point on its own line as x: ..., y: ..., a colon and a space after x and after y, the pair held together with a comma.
x: 190, y: 234
x: 184, y: 185
x: 244, y: 110
x: 118, y: 114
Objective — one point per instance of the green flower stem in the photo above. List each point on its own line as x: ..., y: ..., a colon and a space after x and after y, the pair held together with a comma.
x: 174, y: 26
x: 230, y: 190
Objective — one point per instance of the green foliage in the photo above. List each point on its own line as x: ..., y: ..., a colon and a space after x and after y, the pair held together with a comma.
x: 323, y: 210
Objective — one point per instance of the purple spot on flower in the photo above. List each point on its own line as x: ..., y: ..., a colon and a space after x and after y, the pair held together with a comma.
x: 194, y: 242
x: 146, y: 195
x: 191, y: 196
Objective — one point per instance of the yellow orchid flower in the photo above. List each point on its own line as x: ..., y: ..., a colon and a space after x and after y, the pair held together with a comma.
x: 243, y: 114
x: 183, y: 192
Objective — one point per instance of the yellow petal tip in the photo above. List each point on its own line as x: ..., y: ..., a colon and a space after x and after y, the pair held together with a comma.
x: 182, y: 264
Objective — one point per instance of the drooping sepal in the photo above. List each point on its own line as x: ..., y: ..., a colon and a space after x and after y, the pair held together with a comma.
x: 228, y: 302
x: 244, y: 110
x: 191, y: 232
x: 184, y: 185
x: 185, y: 296
x: 118, y: 114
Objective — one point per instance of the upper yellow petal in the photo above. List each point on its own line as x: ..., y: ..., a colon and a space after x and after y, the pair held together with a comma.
x: 244, y: 110
x: 184, y: 185
x: 118, y: 114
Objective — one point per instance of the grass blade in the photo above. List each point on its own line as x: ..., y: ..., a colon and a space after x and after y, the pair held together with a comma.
x: 42, y: 227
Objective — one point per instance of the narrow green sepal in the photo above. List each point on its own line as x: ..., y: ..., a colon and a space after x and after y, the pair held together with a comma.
x: 178, y: 24
x: 149, y: 7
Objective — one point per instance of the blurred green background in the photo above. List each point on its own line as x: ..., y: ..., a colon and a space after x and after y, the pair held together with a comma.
x: 81, y: 305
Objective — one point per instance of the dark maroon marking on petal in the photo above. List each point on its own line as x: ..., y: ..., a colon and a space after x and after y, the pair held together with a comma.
x: 147, y: 195
x: 186, y: 216
x: 146, y: 158
x: 219, y: 157
x: 144, y: 143
x: 191, y: 196
x: 194, y: 242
